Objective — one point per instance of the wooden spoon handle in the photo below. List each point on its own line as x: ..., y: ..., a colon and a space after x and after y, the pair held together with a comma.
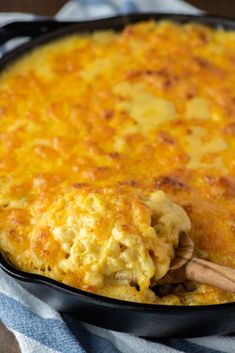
x: 206, y: 272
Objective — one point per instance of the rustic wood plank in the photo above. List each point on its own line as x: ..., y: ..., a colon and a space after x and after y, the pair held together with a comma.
x: 8, y: 342
x: 48, y: 8
x: 216, y: 7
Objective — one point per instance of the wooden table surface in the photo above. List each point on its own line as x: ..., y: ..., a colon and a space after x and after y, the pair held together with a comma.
x: 8, y: 343
x: 50, y: 7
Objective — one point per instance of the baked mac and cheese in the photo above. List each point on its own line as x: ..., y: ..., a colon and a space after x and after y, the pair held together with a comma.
x: 109, y: 143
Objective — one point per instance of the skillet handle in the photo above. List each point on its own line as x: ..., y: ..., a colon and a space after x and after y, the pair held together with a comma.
x: 30, y: 29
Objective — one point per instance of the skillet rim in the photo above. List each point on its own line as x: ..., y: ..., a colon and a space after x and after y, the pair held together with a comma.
x: 67, y: 28
x: 102, y: 300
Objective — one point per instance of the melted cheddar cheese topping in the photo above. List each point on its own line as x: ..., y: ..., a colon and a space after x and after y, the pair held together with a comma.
x: 92, y: 127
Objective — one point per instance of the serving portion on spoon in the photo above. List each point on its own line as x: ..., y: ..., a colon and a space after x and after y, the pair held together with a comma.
x: 186, y: 266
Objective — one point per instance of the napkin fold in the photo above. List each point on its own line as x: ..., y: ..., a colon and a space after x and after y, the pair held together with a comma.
x: 38, y: 327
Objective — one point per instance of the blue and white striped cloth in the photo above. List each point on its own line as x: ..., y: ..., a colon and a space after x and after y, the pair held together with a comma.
x: 39, y: 328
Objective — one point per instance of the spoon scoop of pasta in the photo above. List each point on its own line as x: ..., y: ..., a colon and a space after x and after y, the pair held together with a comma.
x: 186, y: 266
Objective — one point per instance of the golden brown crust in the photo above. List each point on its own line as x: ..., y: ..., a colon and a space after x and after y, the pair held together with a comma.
x: 152, y: 107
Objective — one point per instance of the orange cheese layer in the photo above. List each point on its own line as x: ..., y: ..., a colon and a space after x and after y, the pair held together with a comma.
x: 150, y: 108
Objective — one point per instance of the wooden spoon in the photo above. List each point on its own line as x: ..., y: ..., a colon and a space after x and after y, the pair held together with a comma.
x: 186, y: 266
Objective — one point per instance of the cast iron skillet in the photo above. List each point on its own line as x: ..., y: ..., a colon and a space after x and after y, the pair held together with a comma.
x: 139, y: 319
